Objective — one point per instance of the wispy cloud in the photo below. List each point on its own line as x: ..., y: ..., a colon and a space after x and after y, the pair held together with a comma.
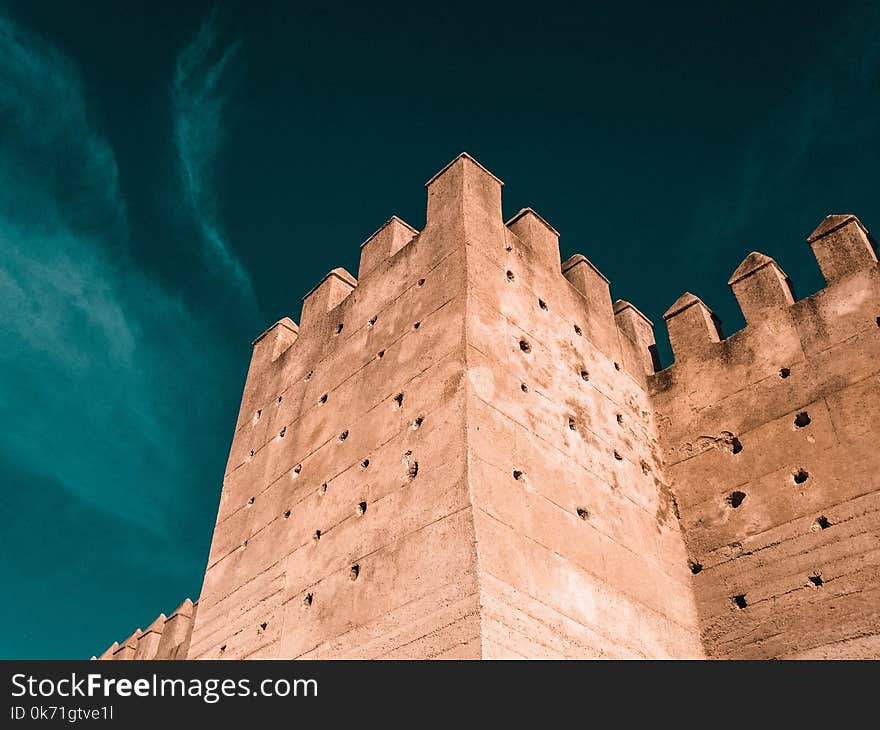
x: 98, y: 359
x: 204, y: 81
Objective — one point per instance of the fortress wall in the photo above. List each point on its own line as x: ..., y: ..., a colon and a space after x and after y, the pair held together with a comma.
x: 770, y: 439
x: 579, y: 552
x: 165, y: 638
x: 467, y: 452
x: 352, y: 424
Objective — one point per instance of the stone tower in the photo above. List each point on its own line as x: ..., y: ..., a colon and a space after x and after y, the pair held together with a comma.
x: 466, y: 453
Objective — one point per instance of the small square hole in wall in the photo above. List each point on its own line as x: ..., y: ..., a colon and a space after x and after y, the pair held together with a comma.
x: 740, y: 600
x: 735, y: 499
x: 802, y: 419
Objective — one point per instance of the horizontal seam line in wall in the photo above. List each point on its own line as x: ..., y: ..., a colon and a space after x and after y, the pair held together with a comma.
x: 348, y: 466
x: 306, y: 496
x: 714, y: 594
x: 362, y: 327
x: 802, y: 406
x: 685, y: 585
x: 738, y: 640
x: 856, y: 637
x: 437, y: 630
x: 245, y: 610
x: 562, y: 453
x: 372, y: 552
x: 561, y: 613
x: 497, y: 618
x: 599, y: 579
x: 756, y: 535
x: 396, y: 608
x: 808, y: 587
x: 342, y: 382
x: 544, y: 344
x: 733, y: 562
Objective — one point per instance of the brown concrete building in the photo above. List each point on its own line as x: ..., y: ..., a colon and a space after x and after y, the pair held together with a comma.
x: 466, y: 453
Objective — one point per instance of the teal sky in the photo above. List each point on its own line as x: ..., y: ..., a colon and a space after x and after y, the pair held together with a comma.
x: 175, y: 176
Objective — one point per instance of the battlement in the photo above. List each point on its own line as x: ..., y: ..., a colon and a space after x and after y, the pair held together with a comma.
x: 165, y: 638
x: 469, y: 451
x: 847, y: 257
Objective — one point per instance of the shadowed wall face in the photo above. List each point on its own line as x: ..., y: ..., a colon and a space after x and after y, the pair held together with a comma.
x: 344, y: 527
x: 770, y: 439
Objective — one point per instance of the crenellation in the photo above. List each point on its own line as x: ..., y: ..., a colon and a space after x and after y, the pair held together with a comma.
x: 598, y: 312
x: 148, y: 641
x: 127, y: 649
x: 324, y: 298
x: 541, y: 238
x: 384, y: 243
x: 470, y: 452
x: 760, y: 286
x: 693, y: 327
x: 842, y: 246
x: 638, y: 348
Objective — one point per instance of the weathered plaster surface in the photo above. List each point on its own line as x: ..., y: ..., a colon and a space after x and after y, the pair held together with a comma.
x: 467, y: 453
